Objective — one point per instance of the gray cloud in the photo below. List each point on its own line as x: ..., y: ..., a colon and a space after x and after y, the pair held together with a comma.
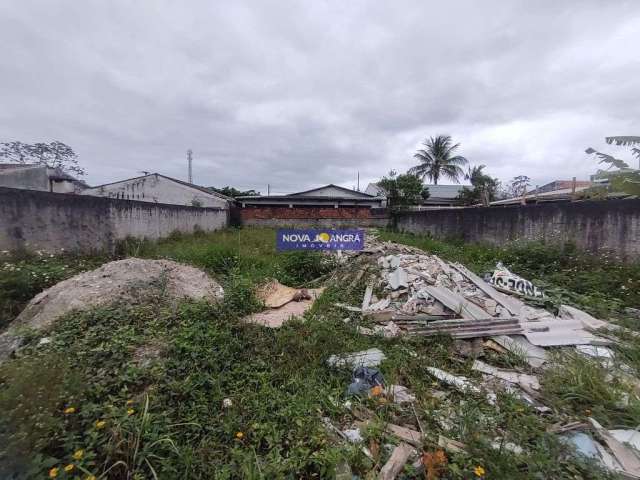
x: 296, y: 94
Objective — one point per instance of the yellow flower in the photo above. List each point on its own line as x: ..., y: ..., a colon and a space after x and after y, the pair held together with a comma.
x: 70, y: 410
x: 479, y: 471
x: 90, y: 477
x: 53, y: 473
x: 239, y: 435
x: 129, y: 402
x: 78, y: 454
x: 69, y: 468
x: 100, y: 424
x: 131, y: 411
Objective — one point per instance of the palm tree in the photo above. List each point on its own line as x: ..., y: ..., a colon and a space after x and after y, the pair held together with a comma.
x: 437, y: 160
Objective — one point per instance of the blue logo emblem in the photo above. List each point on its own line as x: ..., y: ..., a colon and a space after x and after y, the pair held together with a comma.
x: 288, y: 239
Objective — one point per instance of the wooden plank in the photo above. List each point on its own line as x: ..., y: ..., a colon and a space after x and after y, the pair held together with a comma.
x: 397, y: 461
x: 405, y: 434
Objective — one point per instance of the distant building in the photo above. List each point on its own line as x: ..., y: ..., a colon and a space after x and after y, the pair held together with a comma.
x: 157, y: 188
x: 329, y: 205
x: 562, y: 185
x: 38, y: 177
x: 326, y: 196
x: 439, y: 195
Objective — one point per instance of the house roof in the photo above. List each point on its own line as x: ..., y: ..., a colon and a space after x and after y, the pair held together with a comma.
x: 445, y: 191
x: 379, y: 191
x: 186, y: 184
x: 303, y: 196
x: 554, y: 195
x: 331, y: 185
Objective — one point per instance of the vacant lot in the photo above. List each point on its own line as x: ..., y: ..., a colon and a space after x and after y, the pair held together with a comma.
x: 168, y: 390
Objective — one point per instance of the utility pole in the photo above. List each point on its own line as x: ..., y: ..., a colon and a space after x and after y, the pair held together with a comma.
x: 189, y: 161
x: 358, y: 181
x: 268, y: 189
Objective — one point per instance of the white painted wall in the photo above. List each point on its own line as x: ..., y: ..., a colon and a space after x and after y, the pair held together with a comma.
x: 157, y: 189
x: 331, y: 192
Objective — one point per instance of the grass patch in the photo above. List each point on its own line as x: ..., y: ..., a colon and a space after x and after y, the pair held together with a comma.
x: 164, y: 415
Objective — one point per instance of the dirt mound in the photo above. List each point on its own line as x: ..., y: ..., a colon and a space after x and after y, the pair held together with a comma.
x: 114, y: 281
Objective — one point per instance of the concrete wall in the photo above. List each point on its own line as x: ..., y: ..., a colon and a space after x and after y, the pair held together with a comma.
x: 31, y: 178
x: 326, y: 217
x: 596, y: 226
x: 53, y: 221
x: 157, y: 189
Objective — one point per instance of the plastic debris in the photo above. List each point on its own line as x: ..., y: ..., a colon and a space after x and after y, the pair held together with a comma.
x: 363, y: 380
x: 504, y: 280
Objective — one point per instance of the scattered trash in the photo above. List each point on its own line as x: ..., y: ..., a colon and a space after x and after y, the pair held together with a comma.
x: 367, y: 358
x: 227, y: 403
x: 400, y: 394
x: 363, y: 380
x: 353, y: 435
x: 461, y: 383
x: 595, y: 351
x: 44, y: 341
x: 502, y: 279
x: 526, y: 382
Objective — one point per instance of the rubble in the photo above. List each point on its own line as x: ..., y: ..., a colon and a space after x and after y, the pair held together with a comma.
x: 367, y: 358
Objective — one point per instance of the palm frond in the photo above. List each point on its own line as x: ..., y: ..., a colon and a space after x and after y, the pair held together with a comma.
x: 623, y: 140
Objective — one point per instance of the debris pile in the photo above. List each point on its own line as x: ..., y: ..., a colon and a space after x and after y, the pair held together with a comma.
x: 411, y: 293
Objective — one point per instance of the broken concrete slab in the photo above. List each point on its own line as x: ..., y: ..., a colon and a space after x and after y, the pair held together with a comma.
x: 527, y: 382
x: 550, y: 333
x: 367, y: 358
x: 461, y: 383
x: 367, y: 297
x: 455, y: 302
x: 398, y: 279
x: 519, y: 345
x: 629, y: 461
x: 513, y: 305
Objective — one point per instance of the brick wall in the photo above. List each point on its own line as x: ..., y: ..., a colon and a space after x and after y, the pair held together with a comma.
x: 277, y: 216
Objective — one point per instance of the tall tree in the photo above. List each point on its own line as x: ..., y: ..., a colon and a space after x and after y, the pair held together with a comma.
x: 518, y: 185
x: 484, y: 188
x: 438, y: 159
x: 54, y: 154
x: 403, y: 190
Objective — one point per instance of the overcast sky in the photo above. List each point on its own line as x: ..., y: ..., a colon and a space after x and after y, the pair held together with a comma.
x: 302, y: 93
